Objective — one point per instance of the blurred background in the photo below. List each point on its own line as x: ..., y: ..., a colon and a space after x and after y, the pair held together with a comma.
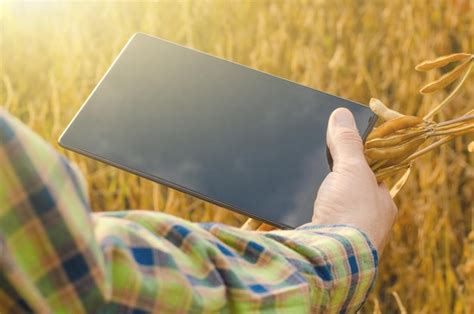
x: 53, y: 53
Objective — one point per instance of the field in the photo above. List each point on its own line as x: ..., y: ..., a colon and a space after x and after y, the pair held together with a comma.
x: 53, y: 54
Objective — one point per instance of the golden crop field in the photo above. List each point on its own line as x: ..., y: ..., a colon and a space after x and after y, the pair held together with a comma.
x: 54, y: 52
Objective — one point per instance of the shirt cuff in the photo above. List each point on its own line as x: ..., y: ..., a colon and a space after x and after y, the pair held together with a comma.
x: 351, y: 261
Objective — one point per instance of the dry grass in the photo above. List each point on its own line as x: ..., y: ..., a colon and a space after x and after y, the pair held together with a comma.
x: 54, y: 53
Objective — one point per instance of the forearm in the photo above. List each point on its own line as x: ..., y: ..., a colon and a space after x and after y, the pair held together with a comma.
x: 49, y: 260
x: 332, y: 267
x: 56, y: 258
x: 344, y: 264
x: 212, y: 267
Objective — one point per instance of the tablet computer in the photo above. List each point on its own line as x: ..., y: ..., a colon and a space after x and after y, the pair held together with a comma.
x: 223, y: 132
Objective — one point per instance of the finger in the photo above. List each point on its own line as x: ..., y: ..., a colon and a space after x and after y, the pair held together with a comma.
x: 344, y: 141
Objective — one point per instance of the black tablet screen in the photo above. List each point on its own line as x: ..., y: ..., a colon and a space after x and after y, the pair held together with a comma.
x: 234, y: 136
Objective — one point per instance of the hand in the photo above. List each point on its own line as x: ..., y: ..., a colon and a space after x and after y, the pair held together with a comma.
x: 350, y: 194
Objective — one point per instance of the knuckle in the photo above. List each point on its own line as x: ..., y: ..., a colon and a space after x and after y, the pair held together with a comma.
x: 355, y: 165
x: 348, y: 135
x: 355, y: 162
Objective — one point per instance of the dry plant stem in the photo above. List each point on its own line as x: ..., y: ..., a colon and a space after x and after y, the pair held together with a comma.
x: 387, y: 171
x: 251, y: 224
x: 390, y: 171
x: 402, y: 308
x: 467, y: 116
x: 400, y: 183
x: 455, y: 130
x: 379, y: 164
x: 437, y: 143
x: 433, y: 111
x: 430, y: 147
x: 450, y: 127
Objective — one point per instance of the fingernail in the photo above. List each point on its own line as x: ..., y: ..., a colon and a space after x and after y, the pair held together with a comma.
x: 344, y: 118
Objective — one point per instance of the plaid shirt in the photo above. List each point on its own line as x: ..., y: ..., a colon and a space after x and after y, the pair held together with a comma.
x: 57, y: 256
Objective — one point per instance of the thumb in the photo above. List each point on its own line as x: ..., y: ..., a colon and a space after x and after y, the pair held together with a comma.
x: 343, y: 139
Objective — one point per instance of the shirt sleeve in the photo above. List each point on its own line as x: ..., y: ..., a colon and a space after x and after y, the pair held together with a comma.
x: 56, y: 256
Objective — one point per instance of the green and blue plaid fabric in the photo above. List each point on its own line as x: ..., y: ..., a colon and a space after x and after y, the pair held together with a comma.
x: 59, y: 257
